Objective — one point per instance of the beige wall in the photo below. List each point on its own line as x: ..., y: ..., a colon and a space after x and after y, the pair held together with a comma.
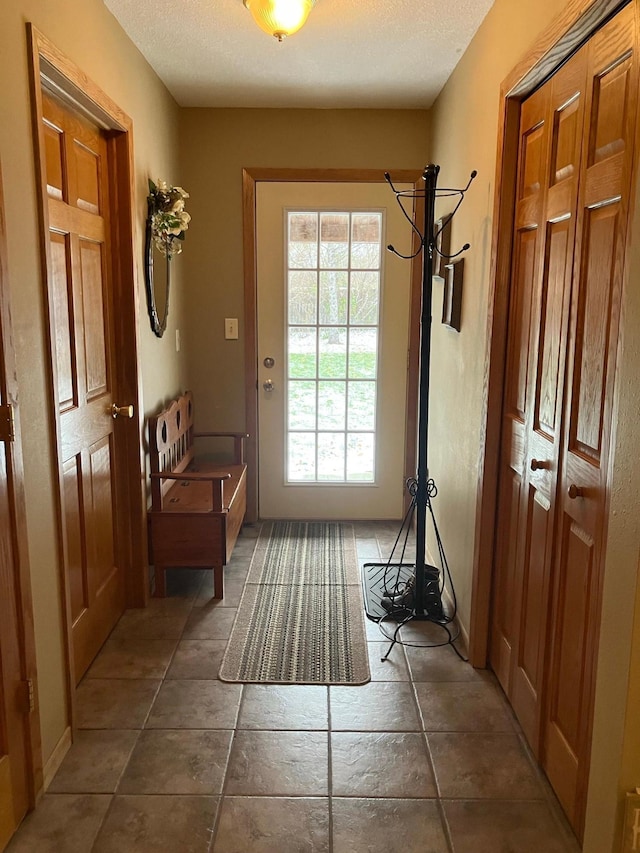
x: 216, y: 145
x: 464, y: 134
x: 90, y: 37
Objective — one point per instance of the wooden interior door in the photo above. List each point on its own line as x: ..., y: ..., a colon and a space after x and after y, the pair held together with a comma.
x: 16, y: 760
x: 605, y: 186
x: 81, y: 327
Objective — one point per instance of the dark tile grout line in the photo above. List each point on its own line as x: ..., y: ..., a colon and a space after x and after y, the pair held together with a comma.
x: 330, y: 770
x: 225, y: 777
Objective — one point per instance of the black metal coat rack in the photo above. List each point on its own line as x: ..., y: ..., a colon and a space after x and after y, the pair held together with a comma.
x: 422, y: 489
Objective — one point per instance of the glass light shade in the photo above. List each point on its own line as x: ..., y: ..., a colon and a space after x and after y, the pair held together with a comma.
x: 280, y: 18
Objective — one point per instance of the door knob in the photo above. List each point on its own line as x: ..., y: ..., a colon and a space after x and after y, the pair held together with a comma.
x: 537, y: 464
x: 268, y: 385
x: 121, y: 411
x: 575, y: 492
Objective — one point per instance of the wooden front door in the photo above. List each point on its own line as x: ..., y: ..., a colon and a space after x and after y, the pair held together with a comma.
x: 573, y: 185
x: 81, y: 315
x: 16, y: 759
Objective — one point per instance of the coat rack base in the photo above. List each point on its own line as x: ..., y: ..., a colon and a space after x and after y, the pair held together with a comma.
x: 377, y: 578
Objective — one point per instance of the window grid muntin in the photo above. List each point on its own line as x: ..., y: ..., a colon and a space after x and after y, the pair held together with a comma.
x: 317, y: 327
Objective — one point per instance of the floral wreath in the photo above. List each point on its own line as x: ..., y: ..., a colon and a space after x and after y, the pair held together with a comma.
x: 169, y: 219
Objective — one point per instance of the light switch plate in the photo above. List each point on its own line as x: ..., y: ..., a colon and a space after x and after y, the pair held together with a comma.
x: 231, y: 328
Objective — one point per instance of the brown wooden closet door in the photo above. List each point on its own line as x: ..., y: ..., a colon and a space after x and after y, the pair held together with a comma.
x: 81, y: 329
x: 600, y: 244
x: 551, y: 122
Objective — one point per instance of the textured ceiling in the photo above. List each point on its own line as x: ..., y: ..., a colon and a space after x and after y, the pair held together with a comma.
x: 386, y: 54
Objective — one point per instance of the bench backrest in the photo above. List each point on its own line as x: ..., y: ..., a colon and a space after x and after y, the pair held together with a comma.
x: 170, y: 442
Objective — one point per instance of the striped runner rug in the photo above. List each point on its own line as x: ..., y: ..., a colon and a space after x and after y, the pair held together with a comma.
x: 301, y: 615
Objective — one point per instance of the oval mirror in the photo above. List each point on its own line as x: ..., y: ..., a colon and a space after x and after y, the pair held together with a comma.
x: 157, y: 274
x: 167, y: 220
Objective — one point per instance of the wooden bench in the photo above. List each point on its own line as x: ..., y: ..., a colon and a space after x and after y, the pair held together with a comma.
x: 197, y: 506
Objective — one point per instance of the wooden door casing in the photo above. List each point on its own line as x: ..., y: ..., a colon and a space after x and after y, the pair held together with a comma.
x: 20, y: 759
x: 609, y: 133
x: 15, y: 760
x: 81, y: 322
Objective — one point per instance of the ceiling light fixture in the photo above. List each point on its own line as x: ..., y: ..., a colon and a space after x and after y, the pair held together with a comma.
x: 280, y: 18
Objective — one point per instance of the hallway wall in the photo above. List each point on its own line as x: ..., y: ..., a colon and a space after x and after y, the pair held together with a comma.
x: 87, y: 33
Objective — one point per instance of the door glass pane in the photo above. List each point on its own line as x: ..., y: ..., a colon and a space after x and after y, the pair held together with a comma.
x: 365, y: 245
x: 360, y: 455
x: 333, y: 311
x: 333, y: 353
x: 332, y: 402
x: 331, y: 456
x: 363, y: 353
x: 303, y: 289
x: 334, y: 240
x: 302, y: 457
x: 334, y: 290
x: 362, y: 406
x: 302, y: 405
x: 365, y: 298
x: 302, y: 352
x: 303, y: 240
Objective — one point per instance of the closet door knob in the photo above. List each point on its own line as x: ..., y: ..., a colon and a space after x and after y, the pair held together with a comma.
x: 538, y: 465
x: 575, y: 492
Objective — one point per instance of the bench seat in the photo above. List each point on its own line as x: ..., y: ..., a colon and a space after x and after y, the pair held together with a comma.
x: 197, y: 507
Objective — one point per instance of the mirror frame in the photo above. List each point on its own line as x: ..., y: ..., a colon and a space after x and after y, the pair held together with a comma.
x: 158, y: 324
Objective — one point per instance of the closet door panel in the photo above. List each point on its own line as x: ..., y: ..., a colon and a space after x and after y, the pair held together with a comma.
x: 594, y: 322
x: 503, y: 627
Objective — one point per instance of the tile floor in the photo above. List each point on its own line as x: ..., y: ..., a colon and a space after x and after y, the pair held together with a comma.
x: 426, y: 758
